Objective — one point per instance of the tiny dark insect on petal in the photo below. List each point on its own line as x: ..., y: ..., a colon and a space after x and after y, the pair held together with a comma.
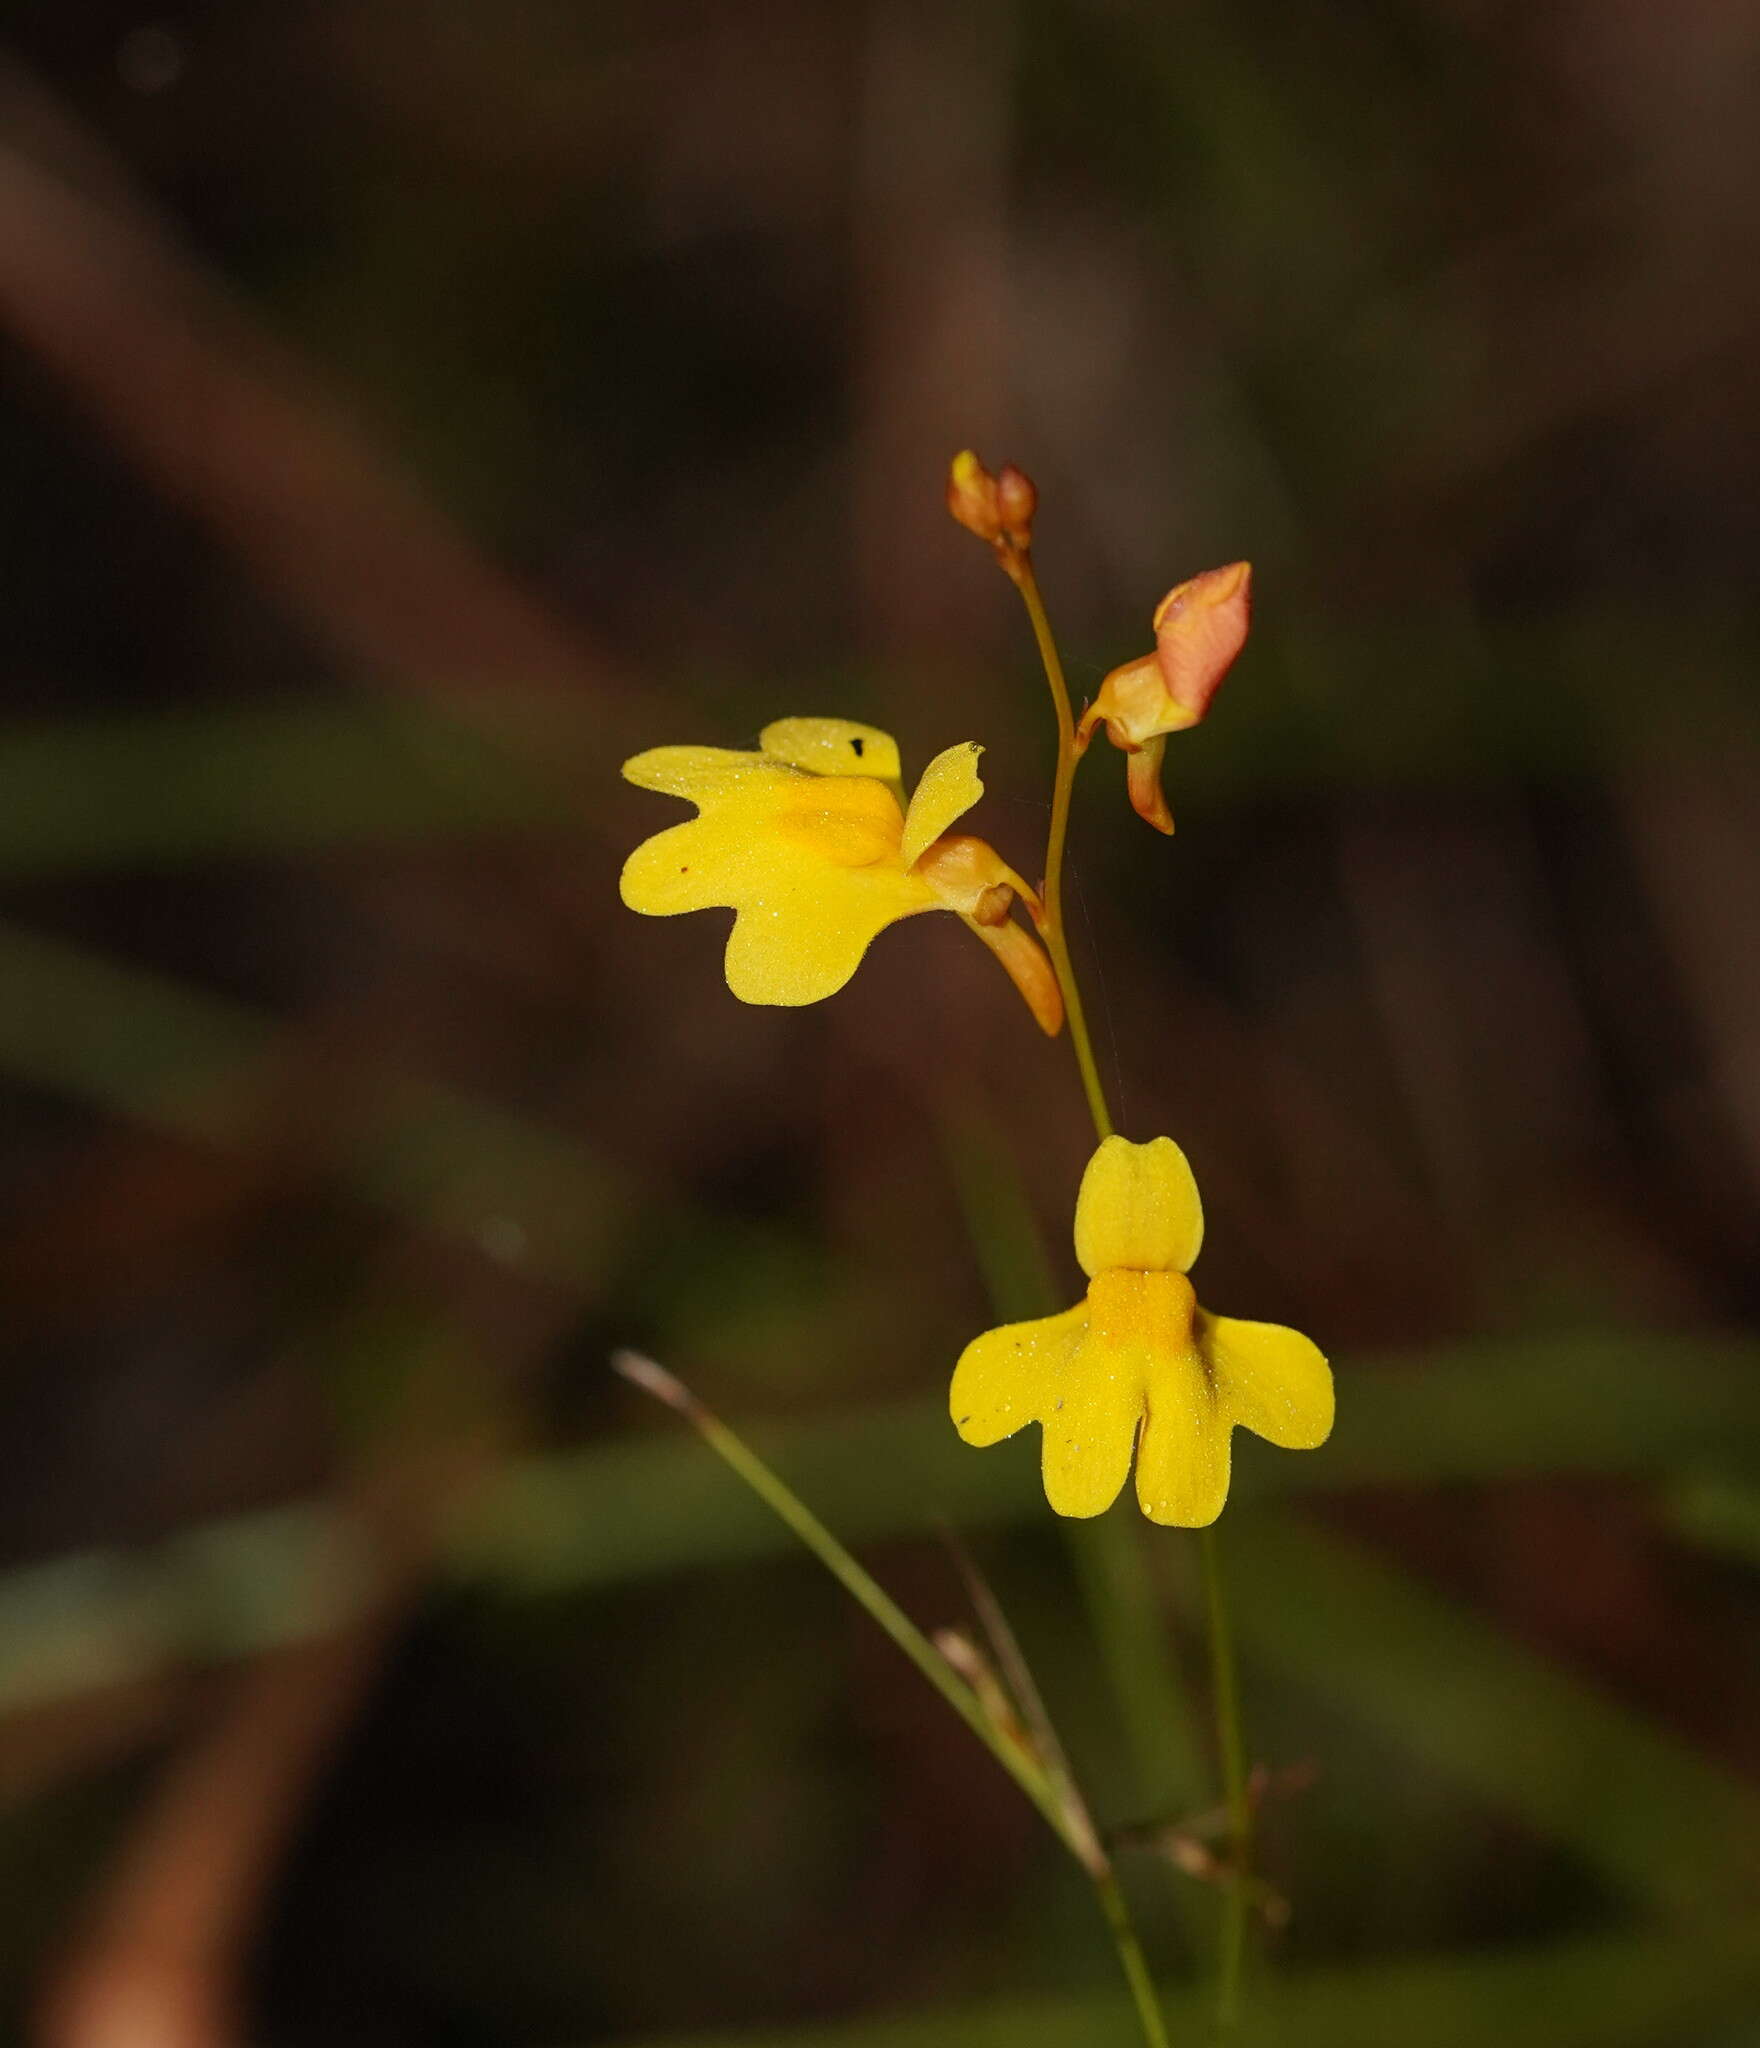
x: 858, y: 745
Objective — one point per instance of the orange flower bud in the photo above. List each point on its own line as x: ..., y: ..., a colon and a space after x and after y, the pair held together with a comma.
x: 998, y: 508
x: 972, y: 498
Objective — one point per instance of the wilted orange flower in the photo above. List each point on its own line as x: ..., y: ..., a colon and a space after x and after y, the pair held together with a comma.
x: 1200, y: 626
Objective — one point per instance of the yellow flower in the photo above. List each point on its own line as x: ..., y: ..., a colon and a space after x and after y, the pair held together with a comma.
x: 1200, y: 626
x: 808, y: 842
x: 1140, y: 1352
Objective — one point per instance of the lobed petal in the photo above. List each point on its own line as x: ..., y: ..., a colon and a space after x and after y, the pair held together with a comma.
x: 1090, y: 1431
x: 1269, y: 1379
x: 683, y: 868
x: 1138, y: 1209
x: 832, y: 746
x: 1050, y: 1372
x: 745, y: 840
x: 803, y: 926
x: 949, y: 788
x: 1009, y: 1377
x: 1183, y: 1459
x: 702, y: 774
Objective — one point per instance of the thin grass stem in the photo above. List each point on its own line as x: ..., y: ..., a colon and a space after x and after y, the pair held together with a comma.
x: 1067, y: 1817
x: 1237, y: 1896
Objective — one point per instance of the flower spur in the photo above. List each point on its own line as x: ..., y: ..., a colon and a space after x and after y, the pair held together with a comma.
x: 1139, y: 1363
x: 810, y: 844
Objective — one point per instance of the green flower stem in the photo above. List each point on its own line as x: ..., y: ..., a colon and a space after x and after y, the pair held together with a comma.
x: 1225, y: 1684
x: 1130, y: 1955
x: 1062, y: 1810
x: 1020, y: 570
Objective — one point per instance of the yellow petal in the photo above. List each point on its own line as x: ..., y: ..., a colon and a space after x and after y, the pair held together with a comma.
x: 701, y: 773
x: 1090, y: 1433
x: 1050, y: 1372
x: 832, y: 746
x: 949, y: 788
x: 1138, y: 1209
x: 848, y: 820
x: 802, y: 928
x: 676, y: 871
x: 1183, y: 1460
x: 764, y: 829
x: 1273, y: 1381
x: 1010, y: 1377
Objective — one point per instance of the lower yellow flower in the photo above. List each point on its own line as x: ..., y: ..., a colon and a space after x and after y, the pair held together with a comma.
x: 807, y: 841
x: 1139, y: 1363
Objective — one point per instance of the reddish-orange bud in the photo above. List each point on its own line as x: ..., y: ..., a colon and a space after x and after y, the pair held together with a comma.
x: 1017, y: 499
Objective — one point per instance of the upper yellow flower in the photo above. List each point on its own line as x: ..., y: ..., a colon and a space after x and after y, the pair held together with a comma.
x: 807, y: 841
x: 1140, y: 1352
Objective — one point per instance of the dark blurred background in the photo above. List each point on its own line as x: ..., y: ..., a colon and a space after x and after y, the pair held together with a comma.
x: 410, y: 410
